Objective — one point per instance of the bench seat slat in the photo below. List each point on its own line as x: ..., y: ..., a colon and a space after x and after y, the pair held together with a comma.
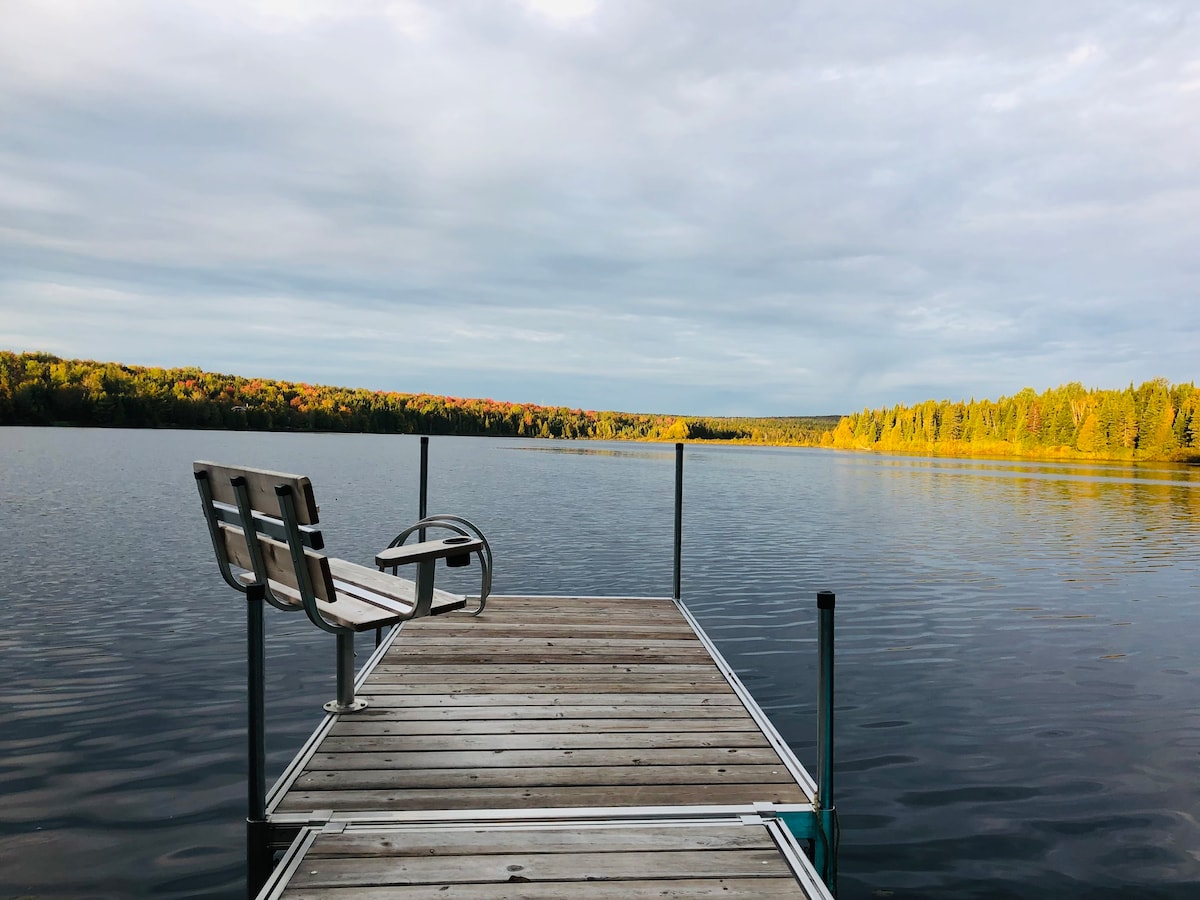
x: 390, y: 604
x: 383, y: 583
x: 348, y: 611
x: 446, y: 603
x: 363, y: 609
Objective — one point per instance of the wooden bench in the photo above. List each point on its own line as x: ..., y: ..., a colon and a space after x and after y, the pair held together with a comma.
x: 263, y: 530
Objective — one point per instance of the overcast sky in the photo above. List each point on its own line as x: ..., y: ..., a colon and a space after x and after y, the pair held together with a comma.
x: 685, y: 206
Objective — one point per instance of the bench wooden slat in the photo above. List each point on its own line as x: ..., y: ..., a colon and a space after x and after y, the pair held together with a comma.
x: 260, y: 485
x: 388, y: 604
x: 363, y: 609
x: 277, y: 558
x: 349, y: 612
x: 383, y: 583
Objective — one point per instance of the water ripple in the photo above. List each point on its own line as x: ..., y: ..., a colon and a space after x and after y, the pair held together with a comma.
x: 1017, y: 671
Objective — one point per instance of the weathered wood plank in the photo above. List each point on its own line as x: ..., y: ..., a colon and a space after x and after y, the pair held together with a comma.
x: 383, y: 583
x: 459, y: 626
x: 260, y: 488
x: 543, y: 798
x: 691, y: 888
x: 556, y: 657
x: 599, y: 624
x: 425, y: 640
x: 399, y: 663
x: 581, y: 686
x: 654, y: 756
x: 380, y: 712
x: 507, y: 602
x: 477, y: 841
x: 419, y: 701
x: 436, y: 673
x: 363, y: 777
x: 396, y: 726
x: 533, y: 683
x: 504, y: 610
x: 369, y: 744
x: 598, y: 620
x: 500, y: 868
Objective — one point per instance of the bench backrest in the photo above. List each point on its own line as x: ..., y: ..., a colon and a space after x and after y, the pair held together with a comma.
x: 262, y: 521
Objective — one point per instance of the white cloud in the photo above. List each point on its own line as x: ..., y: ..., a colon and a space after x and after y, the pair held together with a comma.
x: 1082, y: 54
x: 562, y: 11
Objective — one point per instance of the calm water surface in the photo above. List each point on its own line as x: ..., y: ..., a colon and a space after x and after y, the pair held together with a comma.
x: 1018, y: 673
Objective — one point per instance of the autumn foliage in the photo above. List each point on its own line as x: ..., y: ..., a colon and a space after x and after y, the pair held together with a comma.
x: 40, y: 389
x: 1157, y: 421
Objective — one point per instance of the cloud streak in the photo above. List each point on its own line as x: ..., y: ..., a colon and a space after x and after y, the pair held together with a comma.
x: 760, y: 208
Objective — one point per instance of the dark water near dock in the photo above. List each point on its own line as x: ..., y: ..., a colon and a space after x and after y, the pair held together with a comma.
x: 1018, y: 673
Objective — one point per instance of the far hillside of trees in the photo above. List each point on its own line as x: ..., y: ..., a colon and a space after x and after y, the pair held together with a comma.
x: 41, y: 389
x: 1157, y: 421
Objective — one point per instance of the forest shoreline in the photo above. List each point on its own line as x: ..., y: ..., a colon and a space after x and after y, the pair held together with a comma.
x: 1156, y: 422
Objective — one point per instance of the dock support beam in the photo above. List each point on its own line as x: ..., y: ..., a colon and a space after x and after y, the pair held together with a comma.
x: 825, y: 845
x: 677, y: 582
x: 258, y: 853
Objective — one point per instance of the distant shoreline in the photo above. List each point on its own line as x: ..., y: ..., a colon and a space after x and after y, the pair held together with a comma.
x: 1156, y: 422
x: 1191, y: 459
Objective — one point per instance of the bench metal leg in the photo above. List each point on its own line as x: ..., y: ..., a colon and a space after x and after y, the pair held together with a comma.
x: 345, y: 701
x: 426, y: 571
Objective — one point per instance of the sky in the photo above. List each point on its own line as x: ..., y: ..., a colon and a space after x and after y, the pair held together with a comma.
x: 698, y: 207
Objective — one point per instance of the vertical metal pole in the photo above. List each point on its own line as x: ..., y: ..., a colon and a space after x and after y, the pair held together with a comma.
x: 258, y: 861
x: 345, y: 671
x: 825, y: 849
x: 423, y: 497
x: 678, y: 581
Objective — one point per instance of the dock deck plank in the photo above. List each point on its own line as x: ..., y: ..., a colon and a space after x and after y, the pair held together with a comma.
x: 627, y: 862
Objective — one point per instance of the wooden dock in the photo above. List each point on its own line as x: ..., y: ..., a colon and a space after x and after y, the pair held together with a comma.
x: 591, y: 747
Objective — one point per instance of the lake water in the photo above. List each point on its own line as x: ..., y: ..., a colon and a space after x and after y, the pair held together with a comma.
x: 1018, y: 671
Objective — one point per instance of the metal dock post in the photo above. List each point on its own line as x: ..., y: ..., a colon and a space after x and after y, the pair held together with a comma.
x: 258, y: 854
x: 678, y: 582
x: 423, y: 488
x: 825, y: 846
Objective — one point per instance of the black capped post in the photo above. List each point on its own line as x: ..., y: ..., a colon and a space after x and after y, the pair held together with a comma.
x: 423, y: 486
x: 677, y: 583
x: 825, y: 849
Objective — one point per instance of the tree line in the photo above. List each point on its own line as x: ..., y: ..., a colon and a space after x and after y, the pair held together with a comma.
x: 42, y: 389
x: 1156, y: 421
